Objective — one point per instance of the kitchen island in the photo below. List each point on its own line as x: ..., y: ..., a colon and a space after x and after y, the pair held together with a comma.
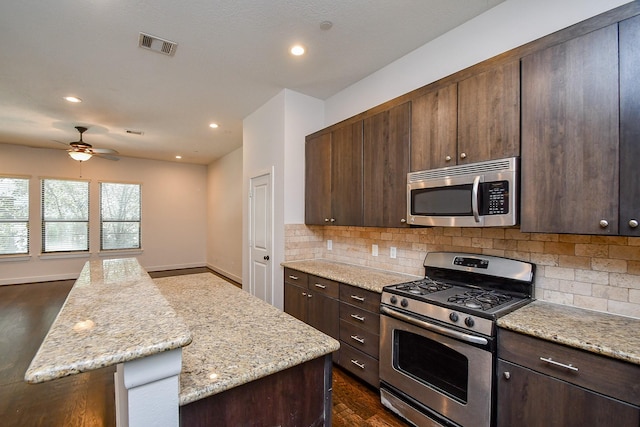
x: 244, y: 360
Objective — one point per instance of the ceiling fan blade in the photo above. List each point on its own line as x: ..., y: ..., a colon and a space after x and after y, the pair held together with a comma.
x: 60, y: 142
x: 107, y: 157
x: 104, y: 151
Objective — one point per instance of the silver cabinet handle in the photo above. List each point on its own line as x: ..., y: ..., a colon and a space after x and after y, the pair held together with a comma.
x: 332, y: 220
x: 358, y: 364
x: 326, y: 220
x: 358, y: 318
x: 304, y: 294
x: 357, y: 298
x: 318, y: 285
x: 293, y: 277
x: 633, y: 223
x: 507, y: 375
x: 309, y: 295
x: 562, y: 365
x: 463, y: 155
x: 357, y: 338
x: 403, y: 220
x: 447, y: 158
x: 604, y: 223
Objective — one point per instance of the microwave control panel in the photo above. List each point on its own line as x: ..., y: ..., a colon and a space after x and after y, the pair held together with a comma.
x: 495, y: 198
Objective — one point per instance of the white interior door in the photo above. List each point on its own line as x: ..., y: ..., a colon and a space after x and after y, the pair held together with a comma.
x: 260, y: 214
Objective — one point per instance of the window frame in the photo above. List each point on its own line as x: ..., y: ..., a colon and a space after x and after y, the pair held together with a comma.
x: 14, y: 220
x: 122, y: 220
x: 45, y: 221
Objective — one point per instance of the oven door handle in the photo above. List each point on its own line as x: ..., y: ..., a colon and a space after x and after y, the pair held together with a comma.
x: 435, y: 328
x: 474, y: 198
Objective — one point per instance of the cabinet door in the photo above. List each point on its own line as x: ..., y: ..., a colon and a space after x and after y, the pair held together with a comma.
x: 386, y: 164
x: 323, y: 314
x: 629, y: 126
x: 346, y: 175
x: 318, y: 180
x: 527, y: 398
x: 570, y: 136
x: 434, y: 123
x: 489, y: 114
x: 295, y: 301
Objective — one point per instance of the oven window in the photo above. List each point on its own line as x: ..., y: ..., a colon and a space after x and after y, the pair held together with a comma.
x: 431, y: 363
x: 454, y: 200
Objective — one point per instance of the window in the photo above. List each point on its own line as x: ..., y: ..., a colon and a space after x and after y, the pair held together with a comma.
x: 14, y: 216
x: 65, y: 215
x: 119, y: 216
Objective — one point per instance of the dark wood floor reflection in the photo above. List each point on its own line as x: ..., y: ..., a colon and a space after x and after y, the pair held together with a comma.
x: 87, y: 400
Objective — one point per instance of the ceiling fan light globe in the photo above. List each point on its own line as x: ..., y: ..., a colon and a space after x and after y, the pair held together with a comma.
x: 80, y: 156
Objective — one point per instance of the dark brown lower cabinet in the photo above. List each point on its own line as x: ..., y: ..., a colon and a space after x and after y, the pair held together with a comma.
x: 529, y: 398
x: 298, y: 396
x: 544, y: 384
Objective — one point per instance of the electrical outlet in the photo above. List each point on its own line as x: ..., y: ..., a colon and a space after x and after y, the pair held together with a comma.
x: 374, y: 250
x: 329, y: 245
x: 393, y: 252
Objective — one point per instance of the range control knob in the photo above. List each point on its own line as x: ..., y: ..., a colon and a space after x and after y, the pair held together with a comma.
x: 469, y: 322
x: 404, y: 302
x: 393, y: 299
x: 453, y: 316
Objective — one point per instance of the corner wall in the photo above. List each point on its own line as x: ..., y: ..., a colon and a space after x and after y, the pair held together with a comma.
x: 224, y: 222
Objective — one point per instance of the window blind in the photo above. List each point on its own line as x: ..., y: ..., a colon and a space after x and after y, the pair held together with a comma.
x: 14, y: 216
x: 119, y: 216
x: 65, y: 215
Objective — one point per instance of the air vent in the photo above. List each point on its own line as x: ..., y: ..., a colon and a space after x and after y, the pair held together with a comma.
x: 156, y: 44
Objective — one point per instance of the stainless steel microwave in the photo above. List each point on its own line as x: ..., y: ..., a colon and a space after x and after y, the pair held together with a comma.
x: 483, y: 194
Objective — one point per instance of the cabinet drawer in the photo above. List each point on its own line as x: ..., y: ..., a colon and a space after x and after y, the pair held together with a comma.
x: 359, y: 338
x: 360, y: 297
x: 296, y: 277
x: 324, y: 286
x: 363, y: 366
x: 601, y: 374
x: 360, y: 317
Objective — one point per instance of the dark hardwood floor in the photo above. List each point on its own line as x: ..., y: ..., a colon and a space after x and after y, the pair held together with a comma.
x: 87, y: 400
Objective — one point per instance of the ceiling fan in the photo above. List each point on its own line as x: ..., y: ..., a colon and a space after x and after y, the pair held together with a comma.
x: 81, y: 151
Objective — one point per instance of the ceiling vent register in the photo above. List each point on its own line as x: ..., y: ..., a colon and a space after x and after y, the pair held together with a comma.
x: 156, y: 44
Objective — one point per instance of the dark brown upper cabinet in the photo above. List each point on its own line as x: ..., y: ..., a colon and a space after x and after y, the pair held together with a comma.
x: 333, y: 177
x: 489, y: 114
x: 386, y: 164
x: 434, y: 128
x: 473, y: 120
x: 629, y: 126
x: 570, y: 119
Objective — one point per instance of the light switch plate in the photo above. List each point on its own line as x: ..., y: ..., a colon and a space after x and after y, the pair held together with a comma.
x: 393, y: 252
x: 374, y: 250
x: 329, y: 245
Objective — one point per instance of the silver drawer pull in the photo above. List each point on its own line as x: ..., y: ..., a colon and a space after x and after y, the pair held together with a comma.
x: 318, y: 285
x: 357, y: 298
x: 357, y: 338
x: 562, y: 365
x: 358, y: 318
x: 358, y: 364
x: 293, y: 277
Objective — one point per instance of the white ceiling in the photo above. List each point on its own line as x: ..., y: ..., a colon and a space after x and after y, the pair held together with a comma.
x: 232, y: 57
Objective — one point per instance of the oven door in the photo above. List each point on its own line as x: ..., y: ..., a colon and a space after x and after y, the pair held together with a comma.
x: 445, y: 374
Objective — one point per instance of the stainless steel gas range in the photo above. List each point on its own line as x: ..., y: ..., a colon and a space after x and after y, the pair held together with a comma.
x: 437, y: 337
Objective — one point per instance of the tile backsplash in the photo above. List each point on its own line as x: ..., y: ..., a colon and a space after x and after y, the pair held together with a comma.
x: 594, y: 272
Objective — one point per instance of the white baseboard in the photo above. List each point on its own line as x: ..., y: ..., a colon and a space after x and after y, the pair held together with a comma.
x: 226, y: 274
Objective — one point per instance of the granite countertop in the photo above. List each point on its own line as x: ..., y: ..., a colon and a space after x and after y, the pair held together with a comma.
x: 362, y: 277
x: 113, y: 314
x: 237, y: 338
x: 606, y: 334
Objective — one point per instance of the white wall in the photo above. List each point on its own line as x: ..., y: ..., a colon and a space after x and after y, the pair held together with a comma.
x: 510, y: 24
x: 273, y: 137
x: 173, y: 210
x: 224, y: 222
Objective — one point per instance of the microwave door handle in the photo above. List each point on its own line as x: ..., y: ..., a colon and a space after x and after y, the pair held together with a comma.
x: 474, y: 198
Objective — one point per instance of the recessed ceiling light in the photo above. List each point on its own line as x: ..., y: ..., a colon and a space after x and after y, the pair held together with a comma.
x: 73, y: 99
x: 297, y: 50
x: 178, y: 157
x: 213, y: 125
